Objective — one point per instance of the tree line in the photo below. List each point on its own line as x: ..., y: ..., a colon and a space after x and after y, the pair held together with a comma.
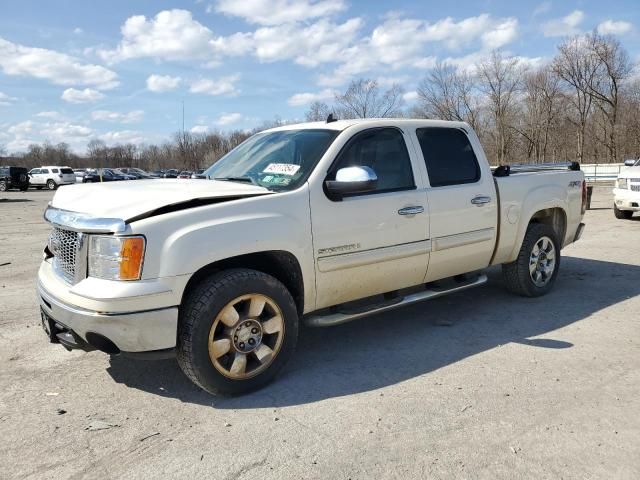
x: 582, y: 105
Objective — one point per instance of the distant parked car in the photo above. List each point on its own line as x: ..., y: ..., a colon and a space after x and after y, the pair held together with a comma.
x: 172, y: 173
x: 185, y: 174
x: 157, y: 174
x: 626, y: 193
x: 51, y: 177
x: 136, y: 172
x: 13, y: 177
x: 632, y: 162
x: 103, y: 175
x: 198, y: 174
x: 79, y: 173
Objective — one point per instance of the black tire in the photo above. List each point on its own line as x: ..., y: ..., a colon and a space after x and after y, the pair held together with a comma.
x: 24, y: 189
x: 622, y: 214
x: 51, y: 185
x: 202, y: 306
x: 3, y: 186
x: 517, y: 277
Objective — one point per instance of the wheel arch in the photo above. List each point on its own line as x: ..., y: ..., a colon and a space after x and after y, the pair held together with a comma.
x: 555, y: 217
x: 280, y: 264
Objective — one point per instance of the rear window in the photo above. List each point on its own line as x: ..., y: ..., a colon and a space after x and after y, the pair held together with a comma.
x: 66, y: 170
x: 449, y: 156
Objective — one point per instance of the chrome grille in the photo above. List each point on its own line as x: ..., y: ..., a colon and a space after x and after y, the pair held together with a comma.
x: 64, y: 246
x: 635, y: 188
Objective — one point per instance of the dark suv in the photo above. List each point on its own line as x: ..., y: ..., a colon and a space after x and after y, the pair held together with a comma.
x: 14, y: 177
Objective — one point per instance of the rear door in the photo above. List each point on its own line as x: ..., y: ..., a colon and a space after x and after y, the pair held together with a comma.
x: 463, y: 205
x: 371, y: 243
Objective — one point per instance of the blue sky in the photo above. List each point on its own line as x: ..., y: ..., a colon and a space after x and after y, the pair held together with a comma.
x: 120, y: 70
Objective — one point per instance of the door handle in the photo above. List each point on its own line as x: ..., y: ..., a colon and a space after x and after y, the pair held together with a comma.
x: 413, y: 210
x: 480, y: 200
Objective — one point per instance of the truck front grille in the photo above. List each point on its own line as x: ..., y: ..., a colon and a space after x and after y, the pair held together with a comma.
x: 64, y: 245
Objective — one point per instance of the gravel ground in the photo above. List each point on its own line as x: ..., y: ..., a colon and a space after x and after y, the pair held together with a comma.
x: 477, y: 385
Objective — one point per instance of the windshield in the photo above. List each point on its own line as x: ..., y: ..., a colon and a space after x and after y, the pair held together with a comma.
x: 275, y: 160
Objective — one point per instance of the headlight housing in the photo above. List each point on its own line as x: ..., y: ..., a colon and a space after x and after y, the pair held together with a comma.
x: 116, y: 258
x: 623, y: 183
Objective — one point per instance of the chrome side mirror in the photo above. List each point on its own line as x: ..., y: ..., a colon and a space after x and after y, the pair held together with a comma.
x: 350, y: 181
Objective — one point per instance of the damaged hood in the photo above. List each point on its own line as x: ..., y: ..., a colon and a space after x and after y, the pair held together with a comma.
x: 135, y: 198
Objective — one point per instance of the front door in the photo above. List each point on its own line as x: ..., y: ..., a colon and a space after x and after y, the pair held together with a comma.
x: 376, y: 242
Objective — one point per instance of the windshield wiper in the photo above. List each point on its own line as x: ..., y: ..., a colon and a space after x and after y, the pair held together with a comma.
x: 237, y: 179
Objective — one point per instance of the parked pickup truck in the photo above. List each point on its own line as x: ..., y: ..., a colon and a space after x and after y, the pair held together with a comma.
x: 319, y: 222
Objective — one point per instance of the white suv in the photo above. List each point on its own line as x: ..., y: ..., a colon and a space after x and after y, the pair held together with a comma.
x: 51, y: 177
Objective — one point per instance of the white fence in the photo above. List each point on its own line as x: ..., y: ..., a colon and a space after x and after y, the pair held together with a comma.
x: 595, y: 172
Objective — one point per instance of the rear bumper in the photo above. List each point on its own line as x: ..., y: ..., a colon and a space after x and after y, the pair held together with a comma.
x: 138, y: 331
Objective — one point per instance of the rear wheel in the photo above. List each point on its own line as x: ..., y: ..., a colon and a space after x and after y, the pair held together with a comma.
x: 3, y: 186
x: 237, y: 330
x: 535, y: 270
x: 622, y: 214
x: 51, y: 185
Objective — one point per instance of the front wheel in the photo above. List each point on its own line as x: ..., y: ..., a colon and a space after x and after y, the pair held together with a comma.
x: 237, y: 330
x: 3, y: 186
x: 622, y: 214
x: 51, y: 185
x: 535, y: 270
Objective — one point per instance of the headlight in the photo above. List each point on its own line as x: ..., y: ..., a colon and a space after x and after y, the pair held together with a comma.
x: 622, y: 183
x: 116, y: 258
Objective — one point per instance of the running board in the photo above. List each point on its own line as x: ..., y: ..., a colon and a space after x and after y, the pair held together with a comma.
x: 331, y: 319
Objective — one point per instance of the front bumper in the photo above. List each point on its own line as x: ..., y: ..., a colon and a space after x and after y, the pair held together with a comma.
x: 146, y: 321
x: 626, y: 199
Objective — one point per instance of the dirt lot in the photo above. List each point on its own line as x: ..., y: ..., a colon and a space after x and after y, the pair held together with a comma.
x: 477, y: 385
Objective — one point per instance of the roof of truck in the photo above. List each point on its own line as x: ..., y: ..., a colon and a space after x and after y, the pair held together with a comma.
x: 373, y: 122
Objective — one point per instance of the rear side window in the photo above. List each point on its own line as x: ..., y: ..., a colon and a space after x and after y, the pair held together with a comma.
x: 4, y: 172
x: 44, y: 170
x: 66, y: 170
x: 54, y: 170
x: 449, y: 156
x: 383, y: 150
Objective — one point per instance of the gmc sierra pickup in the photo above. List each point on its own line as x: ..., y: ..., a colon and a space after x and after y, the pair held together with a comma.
x: 319, y: 222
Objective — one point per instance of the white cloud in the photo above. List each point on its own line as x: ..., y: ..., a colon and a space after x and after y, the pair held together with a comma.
x: 199, y: 129
x: 88, y: 95
x: 543, y: 7
x: 321, y: 42
x: 63, y: 131
x: 49, y: 114
x: 78, y: 31
x: 58, y: 68
x: 162, y: 83
x: 109, y: 116
x: 560, y: 27
x: 28, y: 132
x: 410, y: 96
x: 278, y: 12
x: 170, y: 35
x: 307, y: 98
x: 612, y: 27
x: 21, y: 129
x: 122, y: 136
x: 6, y: 100
x: 500, y: 35
x: 220, y: 86
x: 228, y: 119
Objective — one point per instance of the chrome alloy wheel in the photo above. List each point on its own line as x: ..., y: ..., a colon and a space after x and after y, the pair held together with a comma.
x: 246, y: 336
x: 542, y: 261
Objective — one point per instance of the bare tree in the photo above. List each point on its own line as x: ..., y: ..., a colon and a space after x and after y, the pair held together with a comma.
x: 500, y: 80
x: 449, y: 94
x: 318, y: 111
x: 3, y: 150
x: 578, y: 67
x: 364, y: 99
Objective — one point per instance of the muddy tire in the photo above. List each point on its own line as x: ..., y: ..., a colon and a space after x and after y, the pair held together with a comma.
x: 535, y: 270
x: 237, y: 329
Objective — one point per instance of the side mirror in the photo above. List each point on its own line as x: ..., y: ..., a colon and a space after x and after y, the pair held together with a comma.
x: 351, y: 180
x: 630, y: 163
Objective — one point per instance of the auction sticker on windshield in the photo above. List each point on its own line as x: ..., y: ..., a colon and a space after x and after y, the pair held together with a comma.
x: 282, y: 168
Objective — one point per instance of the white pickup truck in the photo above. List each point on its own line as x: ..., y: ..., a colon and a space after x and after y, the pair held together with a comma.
x: 319, y: 222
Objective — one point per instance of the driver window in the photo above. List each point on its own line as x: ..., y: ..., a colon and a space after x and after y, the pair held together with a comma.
x: 383, y: 150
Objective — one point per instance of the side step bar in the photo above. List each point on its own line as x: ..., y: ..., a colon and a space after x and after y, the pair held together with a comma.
x: 338, y: 318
